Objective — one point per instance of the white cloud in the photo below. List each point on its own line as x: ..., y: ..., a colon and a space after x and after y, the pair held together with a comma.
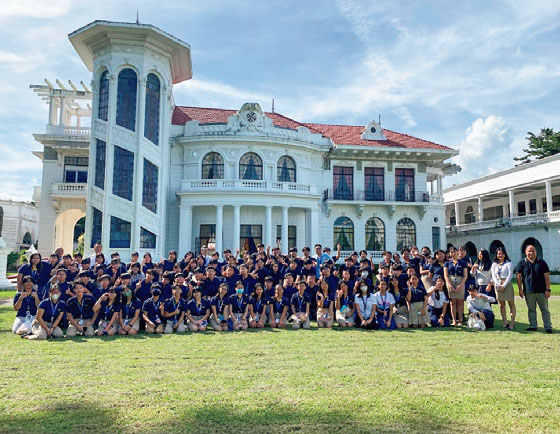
x: 34, y: 8
x: 404, y: 114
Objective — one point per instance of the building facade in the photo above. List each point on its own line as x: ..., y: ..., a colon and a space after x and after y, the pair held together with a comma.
x: 510, y: 209
x: 20, y: 224
x: 162, y: 177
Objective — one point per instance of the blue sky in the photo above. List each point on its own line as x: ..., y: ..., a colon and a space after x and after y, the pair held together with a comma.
x: 475, y: 76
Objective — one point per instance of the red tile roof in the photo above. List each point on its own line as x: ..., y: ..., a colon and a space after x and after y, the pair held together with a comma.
x: 339, y: 134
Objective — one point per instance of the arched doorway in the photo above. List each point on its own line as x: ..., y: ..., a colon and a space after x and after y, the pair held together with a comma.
x: 494, y: 246
x: 27, y: 239
x: 65, y: 229
x: 531, y: 241
x: 79, y: 230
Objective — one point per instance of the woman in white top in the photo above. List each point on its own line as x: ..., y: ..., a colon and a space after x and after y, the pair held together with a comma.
x: 364, y: 303
x: 502, y: 273
x: 482, y: 273
x: 438, y: 303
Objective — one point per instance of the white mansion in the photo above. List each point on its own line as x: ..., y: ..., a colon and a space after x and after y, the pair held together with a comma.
x: 152, y: 176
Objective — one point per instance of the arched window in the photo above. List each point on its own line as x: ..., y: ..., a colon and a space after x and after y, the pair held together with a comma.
x: 151, y: 115
x: 406, y: 234
x: 213, y: 166
x: 532, y: 242
x: 286, y: 169
x: 27, y: 239
x: 375, y: 234
x: 494, y: 246
x: 469, y: 215
x: 103, y: 109
x: 452, y: 218
x: 343, y: 233
x: 250, y: 166
x: 126, y: 99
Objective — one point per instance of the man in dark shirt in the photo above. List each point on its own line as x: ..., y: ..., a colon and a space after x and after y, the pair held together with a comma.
x: 533, y: 282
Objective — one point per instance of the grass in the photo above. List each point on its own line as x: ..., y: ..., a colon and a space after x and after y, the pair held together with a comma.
x: 318, y: 381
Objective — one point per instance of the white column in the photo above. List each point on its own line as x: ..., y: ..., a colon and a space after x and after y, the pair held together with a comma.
x: 52, y: 110
x: 457, y: 214
x: 440, y: 188
x: 268, y: 226
x: 548, y: 185
x: 185, y: 229
x: 285, y: 230
x: 314, y: 228
x: 219, y: 227
x: 480, y: 210
x: 511, y: 203
x: 61, y: 114
x: 5, y: 284
x: 236, y: 227
x: 139, y: 166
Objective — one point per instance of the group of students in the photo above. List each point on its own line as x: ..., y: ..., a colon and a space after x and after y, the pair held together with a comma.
x: 97, y: 296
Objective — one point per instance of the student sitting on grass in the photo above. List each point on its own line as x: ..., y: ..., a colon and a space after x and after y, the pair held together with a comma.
x: 325, y: 315
x: 107, y: 310
x: 384, y: 302
x: 364, y: 303
x: 152, y: 311
x: 344, y: 305
x: 278, y: 308
x: 257, y: 308
x: 198, y: 311
x: 49, y: 316
x: 80, y: 313
x: 438, y: 303
x: 239, y: 307
x: 301, y: 303
x: 129, y: 319
x: 219, y: 308
x: 479, y: 306
x: 25, y: 303
x: 173, y: 311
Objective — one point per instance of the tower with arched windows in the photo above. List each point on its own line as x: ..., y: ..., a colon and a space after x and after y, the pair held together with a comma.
x: 133, y: 67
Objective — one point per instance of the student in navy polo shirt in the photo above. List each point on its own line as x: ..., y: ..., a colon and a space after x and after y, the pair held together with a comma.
x: 65, y: 287
x: 268, y: 288
x: 276, y: 273
x: 49, y: 316
x: 143, y: 288
x: 289, y: 287
x: 248, y: 280
x: 257, y: 308
x: 80, y: 313
x: 402, y: 300
x: 239, y: 307
x: 384, y: 275
x: 174, y: 312
x: 307, y: 270
x: 437, y: 266
x: 418, y: 313
x: 147, y: 263
x: 104, y: 286
x: 332, y: 281
x: 384, y: 302
x: 344, y: 305
x: 211, y: 284
x: 325, y: 306
x: 301, y: 303
x: 32, y: 269
x: 186, y: 290
x: 166, y: 288
x: 152, y: 311
x: 198, y: 311
x: 136, y: 274
x: 231, y: 278
x: 278, y: 308
x: 170, y: 261
x: 455, y: 273
x: 219, y: 307
x: 129, y: 319
x: 25, y: 303
x: 107, y: 309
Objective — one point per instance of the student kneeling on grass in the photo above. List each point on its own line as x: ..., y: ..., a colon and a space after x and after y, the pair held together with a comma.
x: 49, y: 316
x: 174, y: 312
x: 129, y: 319
x: 107, y: 310
x: 325, y: 315
x: 438, y: 303
x: 25, y: 303
x: 80, y: 313
x: 152, y: 311
x: 301, y: 301
x: 479, y: 307
x: 219, y: 308
x: 278, y: 308
x: 344, y: 305
x: 198, y: 311
x: 257, y: 308
x: 239, y: 307
x: 384, y: 301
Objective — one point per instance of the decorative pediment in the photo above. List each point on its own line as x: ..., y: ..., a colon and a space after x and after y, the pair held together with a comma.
x: 373, y: 131
x: 251, y: 117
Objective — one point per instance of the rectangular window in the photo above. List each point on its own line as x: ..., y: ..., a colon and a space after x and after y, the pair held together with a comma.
x: 120, y: 233
x: 251, y: 236
x: 75, y: 169
x: 404, y: 185
x: 96, y: 226
x: 556, y: 203
x: 100, y: 164
x: 292, y: 230
x: 374, y: 183
x: 493, y: 213
x: 521, y: 210
x: 208, y: 236
x: 123, y: 173
x: 343, y: 183
x: 533, y: 206
x: 436, y: 243
x: 149, y: 188
x: 147, y: 239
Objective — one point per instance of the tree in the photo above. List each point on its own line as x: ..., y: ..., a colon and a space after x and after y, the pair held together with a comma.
x: 547, y: 143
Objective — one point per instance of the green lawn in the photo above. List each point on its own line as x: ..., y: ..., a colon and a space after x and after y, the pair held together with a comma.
x: 319, y: 381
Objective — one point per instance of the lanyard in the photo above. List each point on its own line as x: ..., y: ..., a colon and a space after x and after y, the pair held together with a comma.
x: 198, y: 307
x: 240, y: 305
x: 454, y: 269
x: 383, y: 299
x: 107, y: 310
x: 301, y: 302
x: 278, y: 305
x: 345, y: 301
x: 176, y: 305
x: 259, y: 302
x: 156, y: 305
x: 53, y: 310
x: 220, y: 304
x: 364, y: 303
x: 128, y: 306
x: 81, y: 307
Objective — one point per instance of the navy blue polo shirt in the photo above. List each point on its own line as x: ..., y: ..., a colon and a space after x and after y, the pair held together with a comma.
x: 28, y: 304
x: 231, y: 281
x: 83, y: 310
x: 168, y: 265
x: 347, y: 301
x: 533, y: 275
x: 249, y: 284
x: 333, y: 284
x: 326, y: 302
x: 305, y: 272
x: 210, y: 287
x: 436, y: 268
x: 107, y: 311
x: 166, y: 291
x: 142, y: 290
x: 151, y: 308
x: 456, y: 269
x: 128, y: 310
x: 198, y: 309
x: 262, y: 274
x: 148, y: 266
x: 417, y: 294
x: 299, y: 302
x: 171, y: 305
x: 238, y: 305
x: 51, y: 310
x: 258, y: 305
x: 64, y: 286
x: 415, y: 263
x: 278, y: 306
x: 289, y: 291
x: 219, y: 303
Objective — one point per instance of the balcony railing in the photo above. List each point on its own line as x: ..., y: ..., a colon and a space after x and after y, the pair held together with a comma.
x: 516, y: 220
x: 63, y: 130
x: 69, y: 190
x: 244, y: 185
x: 379, y: 196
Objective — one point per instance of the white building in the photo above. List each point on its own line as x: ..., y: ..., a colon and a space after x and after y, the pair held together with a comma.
x: 21, y: 224
x: 510, y: 209
x: 164, y: 177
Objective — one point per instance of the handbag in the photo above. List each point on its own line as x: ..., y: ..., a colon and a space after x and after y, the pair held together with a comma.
x: 475, y: 323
